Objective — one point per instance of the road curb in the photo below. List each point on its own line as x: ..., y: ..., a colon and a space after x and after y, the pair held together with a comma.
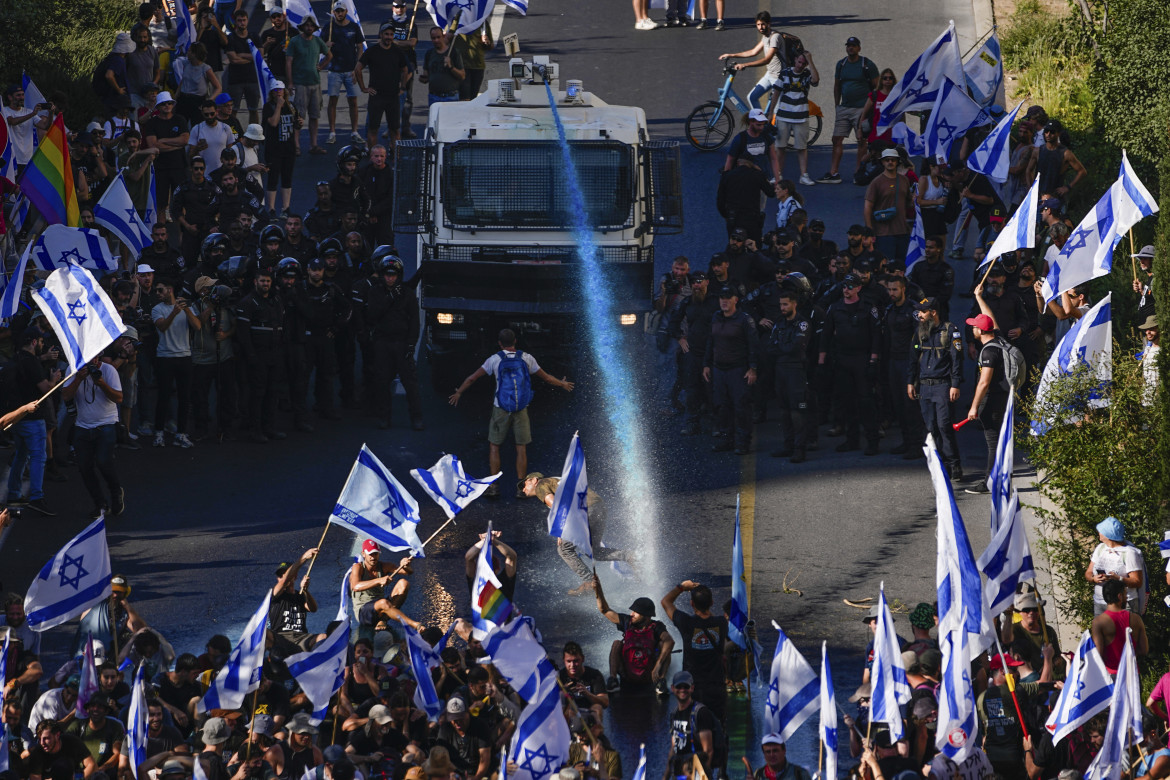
x: 1068, y: 632
x: 983, y: 14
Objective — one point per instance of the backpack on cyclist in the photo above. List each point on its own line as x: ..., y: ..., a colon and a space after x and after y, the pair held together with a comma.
x: 513, y: 382
x: 638, y: 651
x: 1015, y: 368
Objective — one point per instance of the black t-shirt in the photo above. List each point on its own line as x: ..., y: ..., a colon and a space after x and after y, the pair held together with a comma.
x: 591, y: 679
x: 287, y: 613
x: 282, y: 138
x: 275, y: 56
x: 30, y: 372
x: 273, y: 702
x: 991, y: 357
x: 178, y: 696
x: 72, y: 749
x: 347, y: 38
x: 240, y: 74
x: 390, y: 745
x: 464, y: 749
x: 702, y: 640
x: 384, y: 69
x: 168, y: 737
x: 168, y: 128
x: 684, y: 724
x: 757, y: 149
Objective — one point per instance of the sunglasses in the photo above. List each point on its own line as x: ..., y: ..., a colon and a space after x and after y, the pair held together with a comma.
x: 1030, y: 610
x: 682, y: 687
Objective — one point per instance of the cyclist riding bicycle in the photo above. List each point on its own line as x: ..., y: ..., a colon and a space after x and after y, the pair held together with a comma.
x: 774, y: 56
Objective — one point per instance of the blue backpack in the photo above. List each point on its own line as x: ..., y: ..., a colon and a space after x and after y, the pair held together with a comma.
x: 513, y: 382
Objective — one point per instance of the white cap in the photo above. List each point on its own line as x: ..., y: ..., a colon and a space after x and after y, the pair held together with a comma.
x: 143, y: 268
x: 757, y: 115
x: 93, y: 126
x: 890, y: 153
x: 163, y: 97
x: 340, y: 4
x: 772, y: 739
x: 254, y: 133
x: 278, y: 85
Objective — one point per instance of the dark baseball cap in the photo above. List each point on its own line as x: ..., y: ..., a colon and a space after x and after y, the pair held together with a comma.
x: 864, y: 264
x: 853, y: 41
x: 814, y: 224
x: 785, y: 236
x: 926, y: 304
x: 698, y: 276
x: 855, y: 230
x: 739, y: 234
x: 850, y: 280
x: 1052, y: 203
x: 728, y: 291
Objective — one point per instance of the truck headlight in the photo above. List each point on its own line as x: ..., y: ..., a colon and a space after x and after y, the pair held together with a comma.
x: 629, y: 319
x: 446, y: 318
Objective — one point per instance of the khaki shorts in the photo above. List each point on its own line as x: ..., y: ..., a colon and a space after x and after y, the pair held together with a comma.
x: 797, y: 130
x: 308, y: 100
x: 503, y: 421
x: 846, y: 121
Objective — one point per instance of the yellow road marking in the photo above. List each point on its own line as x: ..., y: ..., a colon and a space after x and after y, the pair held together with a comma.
x: 747, y: 515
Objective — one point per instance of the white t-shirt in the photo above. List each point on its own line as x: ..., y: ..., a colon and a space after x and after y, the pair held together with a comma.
x: 94, y: 409
x: 175, y: 341
x: 115, y: 126
x: 218, y: 138
x: 492, y: 363
x: 1150, y: 374
x: 20, y: 135
x: 975, y: 767
x: 1116, y: 560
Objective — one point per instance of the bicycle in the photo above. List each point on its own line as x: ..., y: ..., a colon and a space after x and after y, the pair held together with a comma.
x: 710, y: 124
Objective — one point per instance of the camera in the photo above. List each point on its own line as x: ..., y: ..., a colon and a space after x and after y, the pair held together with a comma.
x: 671, y: 285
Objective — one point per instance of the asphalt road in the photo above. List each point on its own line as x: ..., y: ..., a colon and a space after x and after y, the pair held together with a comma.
x: 206, y: 527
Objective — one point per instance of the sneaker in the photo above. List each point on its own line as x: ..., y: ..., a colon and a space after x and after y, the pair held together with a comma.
x: 171, y: 427
x: 806, y: 180
x: 702, y: 25
x: 118, y: 502
x: 684, y: 21
x: 830, y: 178
x: 181, y: 440
x: 955, y: 254
x: 493, y: 491
x: 332, y: 139
x: 661, y: 689
x: 612, y: 685
x: 975, y: 489
x: 160, y: 439
x: 719, y: 25
x: 39, y: 505
x: 672, y: 22
x: 146, y: 429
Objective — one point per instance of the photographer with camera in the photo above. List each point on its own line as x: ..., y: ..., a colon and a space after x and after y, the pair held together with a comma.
x: 96, y: 391
x: 213, y: 359
x: 172, y: 363
x: 673, y: 291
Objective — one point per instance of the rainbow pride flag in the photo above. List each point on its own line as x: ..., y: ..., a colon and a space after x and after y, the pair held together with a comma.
x: 493, y: 604
x: 48, y: 179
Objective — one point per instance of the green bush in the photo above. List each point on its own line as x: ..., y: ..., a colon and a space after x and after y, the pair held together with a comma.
x: 1101, y: 462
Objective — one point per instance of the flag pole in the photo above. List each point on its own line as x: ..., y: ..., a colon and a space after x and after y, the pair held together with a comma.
x: 252, y: 724
x: 1011, y: 684
x: 576, y: 709
x: 320, y: 542
x: 428, y: 541
x: 413, y: 12
x: 1132, y: 252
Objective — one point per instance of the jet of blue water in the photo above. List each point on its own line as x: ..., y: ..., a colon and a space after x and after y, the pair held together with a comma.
x: 603, y: 330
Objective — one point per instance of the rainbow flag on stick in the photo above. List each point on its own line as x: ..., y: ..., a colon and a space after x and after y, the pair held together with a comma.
x: 48, y: 179
x: 489, y: 606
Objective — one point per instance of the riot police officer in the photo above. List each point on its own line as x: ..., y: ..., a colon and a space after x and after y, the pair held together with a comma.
x: 212, y: 253
x: 326, y: 312
x: 694, y: 324
x: 260, y: 332
x: 852, y: 336
x: 347, y: 189
x: 788, y: 345
x: 386, y: 314
x: 288, y: 277
x: 934, y: 374
x: 730, y: 364
x: 268, y: 254
x: 344, y: 340
x: 900, y: 323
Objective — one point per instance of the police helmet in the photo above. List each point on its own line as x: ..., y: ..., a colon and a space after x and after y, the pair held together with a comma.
x: 352, y: 152
x: 315, y: 263
x: 214, y: 242
x: 388, y: 264
x: 233, y: 267
x: 330, y: 246
x: 798, y: 283
x: 271, y: 233
x: 289, y: 266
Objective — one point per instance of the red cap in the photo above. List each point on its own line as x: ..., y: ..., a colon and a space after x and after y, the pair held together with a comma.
x: 983, y: 322
x: 370, y: 546
x: 997, y: 661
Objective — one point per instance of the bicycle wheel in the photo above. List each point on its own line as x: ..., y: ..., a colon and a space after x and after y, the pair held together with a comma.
x: 709, y: 126
x: 814, y: 128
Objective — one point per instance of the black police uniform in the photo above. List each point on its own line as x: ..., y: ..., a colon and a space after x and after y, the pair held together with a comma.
x: 748, y: 270
x: 851, y: 335
x: 349, y: 195
x: 168, y: 264
x: 198, y: 203
x: 302, y: 251
x: 695, y: 319
x: 936, y: 365
x: 937, y: 281
x: 900, y: 327
x: 788, y: 346
x: 294, y: 354
x: 731, y: 351
x: 387, y: 320
x: 260, y: 332
x: 379, y: 188
x: 738, y: 200
x: 229, y: 206
x: 327, y: 312
x: 819, y: 254
x: 321, y: 223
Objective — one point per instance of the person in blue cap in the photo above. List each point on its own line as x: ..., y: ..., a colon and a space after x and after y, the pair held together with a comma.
x: 1116, y: 559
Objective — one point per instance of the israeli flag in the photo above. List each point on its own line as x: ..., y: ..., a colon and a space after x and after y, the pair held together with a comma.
x: 1087, y: 690
x: 1020, y: 230
x: 1089, y: 341
x: 136, y: 724
x: 489, y: 606
x: 150, y: 217
x: 80, y: 313
x: 115, y: 212
x: 184, y: 28
x: 916, y: 249
x: 296, y: 11
x: 964, y: 626
x: 568, y: 519
x: 984, y: 71
x: 737, y: 622
x: 88, y: 685
x: 888, y: 676
x: 541, y: 743
x: 828, y: 715
x: 449, y: 486
x: 241, y: 674
x: 1007, y: 561
x: 1088, y: 252
x: 518, y: 654
x: 61, y: 246
x: 993, y: 157
x: 793, y: 692
x: 1124, y: 727
x: 263, y: 75
x: 424, y: 658
x: 640, y: 769
x: 522, y: 7
x: 3, y: 685
x: 375, y: 504
x: 920, y: 84
x: 75, y: 579
x: 953, y: 114
x: 7, y: 158
x: 471, y: 13
x: 10, y: 302
x: 199, y: 773
x: 321, y: 671
x: 20, y: 211
x: 32, y: 97
x: 914, y: 143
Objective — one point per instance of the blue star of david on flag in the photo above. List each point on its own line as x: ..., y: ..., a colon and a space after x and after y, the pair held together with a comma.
x: 464, y: 488
x: 449, y: 486
x: 375, y: 504
x: 74, y: 581
x: 533, y: 756
x: 568, y: 519
x: 1077, y: 240
x: 77, y: 312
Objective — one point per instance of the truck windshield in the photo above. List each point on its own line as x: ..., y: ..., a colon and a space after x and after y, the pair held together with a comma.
x: 521, y: 184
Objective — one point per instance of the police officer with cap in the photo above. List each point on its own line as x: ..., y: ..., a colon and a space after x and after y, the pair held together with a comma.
x: 934, y: 374
x: 852, y: 336
x: 730, y: 364
x: 788, y: 346
x: 900, y: 323
x: 694, y: 326
x: 327, y: 312
x: 260, y: 333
